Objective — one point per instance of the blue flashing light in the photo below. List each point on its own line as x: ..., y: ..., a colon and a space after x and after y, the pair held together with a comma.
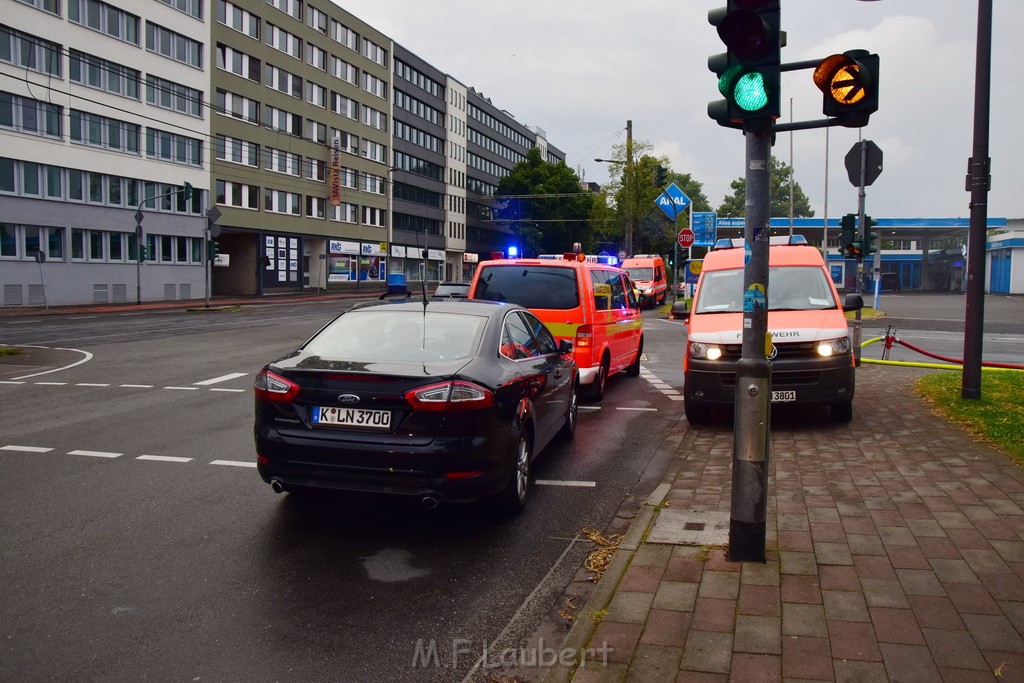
x: 513, y: 251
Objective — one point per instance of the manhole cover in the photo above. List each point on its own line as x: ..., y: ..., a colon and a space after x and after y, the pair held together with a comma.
x: 690, y: 527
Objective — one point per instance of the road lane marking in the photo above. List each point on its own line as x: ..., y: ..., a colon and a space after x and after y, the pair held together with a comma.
x: 136, y: 386
x: 589, y: 407
x: 222, y: 378
x: 678, y: 397
x: 51, y: 384
x: 83, y: 317
x: 233, y: 463
x: 645, y: 410
x: 233, y: 391
x: 565, y: 482
x: 26, y: 449
x: 163, y: 458
x: 183, y: 388
x: 88, y: 357
x: 88, y: 384
x: 96, y: 454
x: 7, y: 381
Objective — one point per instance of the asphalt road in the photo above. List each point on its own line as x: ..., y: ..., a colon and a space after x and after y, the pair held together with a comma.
x: 139, y: 542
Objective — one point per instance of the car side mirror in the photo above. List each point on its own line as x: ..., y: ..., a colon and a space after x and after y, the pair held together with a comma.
x: 853, y: 302
x: 565, y: 346
x: 681, y: 310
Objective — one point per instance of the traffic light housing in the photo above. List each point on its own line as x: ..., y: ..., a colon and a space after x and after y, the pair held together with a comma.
x: 186, y: 191
x: 749, y: 71
x: 211, y: 249
x: 849, y: 86
x: 849, y: 245
x: 143, y: 253
x: 660, y: 176
x: 870, y: 236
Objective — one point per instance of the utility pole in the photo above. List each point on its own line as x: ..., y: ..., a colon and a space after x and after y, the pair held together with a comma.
x: 630, y: 187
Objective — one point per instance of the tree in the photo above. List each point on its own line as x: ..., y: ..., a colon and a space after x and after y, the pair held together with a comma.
x: 544, y: 206
x: 732, y: 206
x: 653, y: 231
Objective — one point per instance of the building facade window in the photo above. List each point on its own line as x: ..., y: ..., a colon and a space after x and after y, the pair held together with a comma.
x: 238, y: 195
x: 316, y: 207
x: 418, y: 108
x: 316, y: 94
x: 344, y: 35
x: 292, y: 8
x: 174, y: 96
x: 238, y: 63
x: 168, y: 146
x: 343, y: 70
x: 280, y: 161
x: 51, y: 6
x: 26, y: 115
x: 102, y: 131
x: 316, y: 19
x: 99, y: 16
x: 282, y: 40
x: 282, y: 120
x: 193, y: 8
x: 282, y: 81
x: 375, y: 52
x: 316, y: 169
x: 279, y: 201
x: 343, y: 106
x: 375, y: 86
x: 374, y: 118
x: 349, y: 143
x: 27, y: 51
x: 316, y: 131
x: 231, y: 104
x: 345, y: 213
x: 375, y: 217
x: 237, y: 151
x: 173, y: 45
x: 238, y: 19
x: 95, y: 72
x: 316, y: 57
x: 374, y: 151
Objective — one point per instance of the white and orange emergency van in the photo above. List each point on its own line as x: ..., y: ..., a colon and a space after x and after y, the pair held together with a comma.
x: 585, y: 299
x: 811, y: 356
x: 647, y: 271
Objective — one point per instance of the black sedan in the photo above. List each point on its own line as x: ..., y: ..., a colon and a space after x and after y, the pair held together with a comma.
x: 442, y: 401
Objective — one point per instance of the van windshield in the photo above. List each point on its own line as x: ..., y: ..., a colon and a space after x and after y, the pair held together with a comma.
x: 644, y: 274
x: 530, y: 286
x: 790, y: 288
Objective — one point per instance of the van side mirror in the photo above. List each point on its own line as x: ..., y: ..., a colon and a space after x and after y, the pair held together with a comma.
x: 681, y: 311
x: 853, y: 302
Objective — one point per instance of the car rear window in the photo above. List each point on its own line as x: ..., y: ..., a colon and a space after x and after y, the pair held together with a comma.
x: 531, y: 286
x: 636, y: 274
x: 387, y: 334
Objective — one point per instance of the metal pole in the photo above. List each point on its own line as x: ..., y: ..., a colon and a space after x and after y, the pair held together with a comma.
x: 629, y: 187
x: 857, y: 321
x: 791, y: 169
x: 206, y: 269
x: 747, y: 525
x: 978, y: 184
x: 824, y: 222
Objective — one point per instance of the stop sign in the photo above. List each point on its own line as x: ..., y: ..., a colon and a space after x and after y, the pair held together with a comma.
x: 685, y: 238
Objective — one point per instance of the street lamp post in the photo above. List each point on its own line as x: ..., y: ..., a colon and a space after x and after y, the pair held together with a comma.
x: 627, y: 187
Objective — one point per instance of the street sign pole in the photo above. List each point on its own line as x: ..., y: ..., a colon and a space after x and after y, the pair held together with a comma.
x: 689, y: 249
x: 675, y: 266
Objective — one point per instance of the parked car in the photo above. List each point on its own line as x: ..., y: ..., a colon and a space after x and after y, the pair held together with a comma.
x: 451, y: 290
x: 443, y: 401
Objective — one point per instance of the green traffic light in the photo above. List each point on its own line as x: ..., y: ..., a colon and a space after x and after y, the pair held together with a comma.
x: 750, y: 93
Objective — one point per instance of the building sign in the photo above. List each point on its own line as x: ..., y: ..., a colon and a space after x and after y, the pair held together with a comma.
x: 470, y: 258
x: 343, y: 247
x: 334, y: 177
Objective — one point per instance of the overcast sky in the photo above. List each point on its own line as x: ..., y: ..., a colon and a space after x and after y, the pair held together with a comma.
x: 580, y: 70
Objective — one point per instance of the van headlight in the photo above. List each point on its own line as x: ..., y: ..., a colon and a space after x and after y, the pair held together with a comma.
x: 833, y: 347
x: 705, y: 351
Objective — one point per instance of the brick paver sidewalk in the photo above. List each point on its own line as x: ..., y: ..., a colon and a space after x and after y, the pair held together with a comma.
x: 895, y: 552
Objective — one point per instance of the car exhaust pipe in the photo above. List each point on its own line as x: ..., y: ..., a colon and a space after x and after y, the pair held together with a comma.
x: 277, y: 486
x: 428, y: 502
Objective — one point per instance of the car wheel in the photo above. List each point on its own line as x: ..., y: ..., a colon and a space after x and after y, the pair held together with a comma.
x: 841, y: 412
x: 600, y: 382
x: 569, y: 426
x: 633, y: 369
x: 696, y: 413
x: 513, y: 499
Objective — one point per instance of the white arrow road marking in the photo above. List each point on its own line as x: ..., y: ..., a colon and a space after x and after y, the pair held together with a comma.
x: 233, y: 463
x: 88, y: 357
x: 222, y: 378
x: 96, y: 454
x: 26, y: 449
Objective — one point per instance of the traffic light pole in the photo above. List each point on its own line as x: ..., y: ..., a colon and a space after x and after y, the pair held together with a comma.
x: 861, y: 194
x: 749, y: 502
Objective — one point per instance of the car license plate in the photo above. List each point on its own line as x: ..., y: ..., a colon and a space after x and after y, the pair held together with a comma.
x: 352, y: 417
x: 783, y: 396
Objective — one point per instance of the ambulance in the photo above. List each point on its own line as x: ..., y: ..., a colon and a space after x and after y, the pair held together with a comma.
x: 586, y: 299
x: 811, y: 356
x: 647, y: 271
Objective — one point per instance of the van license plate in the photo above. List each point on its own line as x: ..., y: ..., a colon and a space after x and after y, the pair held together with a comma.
x: 783, y: 396
x: 352, y: 417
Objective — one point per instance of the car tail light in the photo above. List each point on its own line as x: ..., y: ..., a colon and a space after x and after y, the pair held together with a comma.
x: 457, y: 395
x: 271, y: 386
x: 584, y: 337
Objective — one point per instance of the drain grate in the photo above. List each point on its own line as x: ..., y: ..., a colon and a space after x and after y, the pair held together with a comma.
x: 690, y: 527
x: 694, y: 526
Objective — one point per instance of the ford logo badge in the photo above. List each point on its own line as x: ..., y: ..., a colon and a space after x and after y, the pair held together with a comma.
x: 348, y: 399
